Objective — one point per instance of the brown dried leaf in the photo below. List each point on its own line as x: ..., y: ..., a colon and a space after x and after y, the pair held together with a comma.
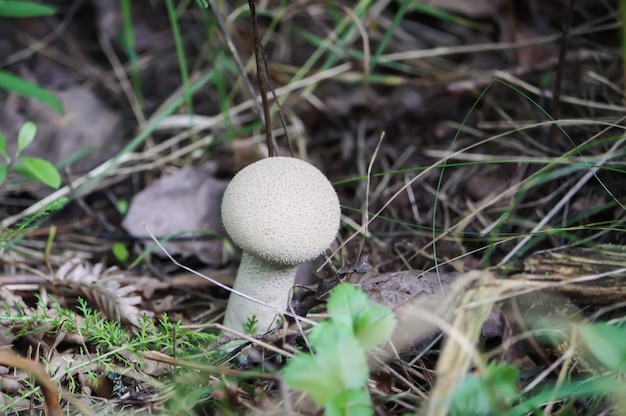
x: 186, y: 202
x: 409, y: 293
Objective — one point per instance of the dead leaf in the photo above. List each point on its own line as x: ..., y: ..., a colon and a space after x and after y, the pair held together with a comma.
x: 187, y: 205
x: 409, y: 293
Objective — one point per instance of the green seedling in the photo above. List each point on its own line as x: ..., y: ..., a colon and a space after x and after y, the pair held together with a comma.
x: 251, y: 326
x: 335, y: 374
x: 30, y: 167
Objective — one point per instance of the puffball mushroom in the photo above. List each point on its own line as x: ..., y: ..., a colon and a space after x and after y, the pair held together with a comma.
x: 282, y: 212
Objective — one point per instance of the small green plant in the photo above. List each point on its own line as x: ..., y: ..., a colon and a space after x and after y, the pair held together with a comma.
x: 112, y: 344
x: 496, y: 391
x: 336, y: 374
x: 30, y: 167
x: 487, y: 394
x: 251, y: 326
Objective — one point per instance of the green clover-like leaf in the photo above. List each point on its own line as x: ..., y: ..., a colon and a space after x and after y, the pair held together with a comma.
x: 374, y: 326
x: 491, y: 393
x: 311, y: 374
x: 353, y: 402
x: 345, y: 303
x: 339, y: 364
x: 371, y: 324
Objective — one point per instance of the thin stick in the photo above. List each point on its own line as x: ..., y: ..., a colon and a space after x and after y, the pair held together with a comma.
x: 261, y: 75
x: 558, y: 81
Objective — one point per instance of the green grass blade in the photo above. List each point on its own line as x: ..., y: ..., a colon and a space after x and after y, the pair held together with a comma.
x: 180, y: 52
x: 128, y: 42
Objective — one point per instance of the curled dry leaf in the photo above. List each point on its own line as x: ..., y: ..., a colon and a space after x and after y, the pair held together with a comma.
x: 411, y: 294
x: 103, y: 288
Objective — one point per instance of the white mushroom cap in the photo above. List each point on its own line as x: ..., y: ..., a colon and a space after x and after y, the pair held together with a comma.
x: 282, y: 210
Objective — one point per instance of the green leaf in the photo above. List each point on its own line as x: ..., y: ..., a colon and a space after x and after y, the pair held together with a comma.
x: 122, y: 206
x: 607, y: 343
x: 374, y: 326
x: 324, y: 334
x: 10, y: 82
x: 120, y: 251
x: 353, y: 402
x: 308, y: 373
x: 26, y: 136
x: 3, y: 173
x: 39, y: 169
x: 339, y: 364
x: 488, y: 394
x: 345, y: 303
x: 371, y: 324
x: 346, y: 357
x: 3, y: 147
x: 608, y: 384
x: 20, y: 8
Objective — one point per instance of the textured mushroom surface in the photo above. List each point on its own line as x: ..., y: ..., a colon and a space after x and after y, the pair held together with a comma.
x: 282, y: 210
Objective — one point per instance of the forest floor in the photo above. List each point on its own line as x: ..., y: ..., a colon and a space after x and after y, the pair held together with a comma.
x: 477, y: 149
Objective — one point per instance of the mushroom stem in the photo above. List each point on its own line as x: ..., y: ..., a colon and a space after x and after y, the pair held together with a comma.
x: 270, y: 283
